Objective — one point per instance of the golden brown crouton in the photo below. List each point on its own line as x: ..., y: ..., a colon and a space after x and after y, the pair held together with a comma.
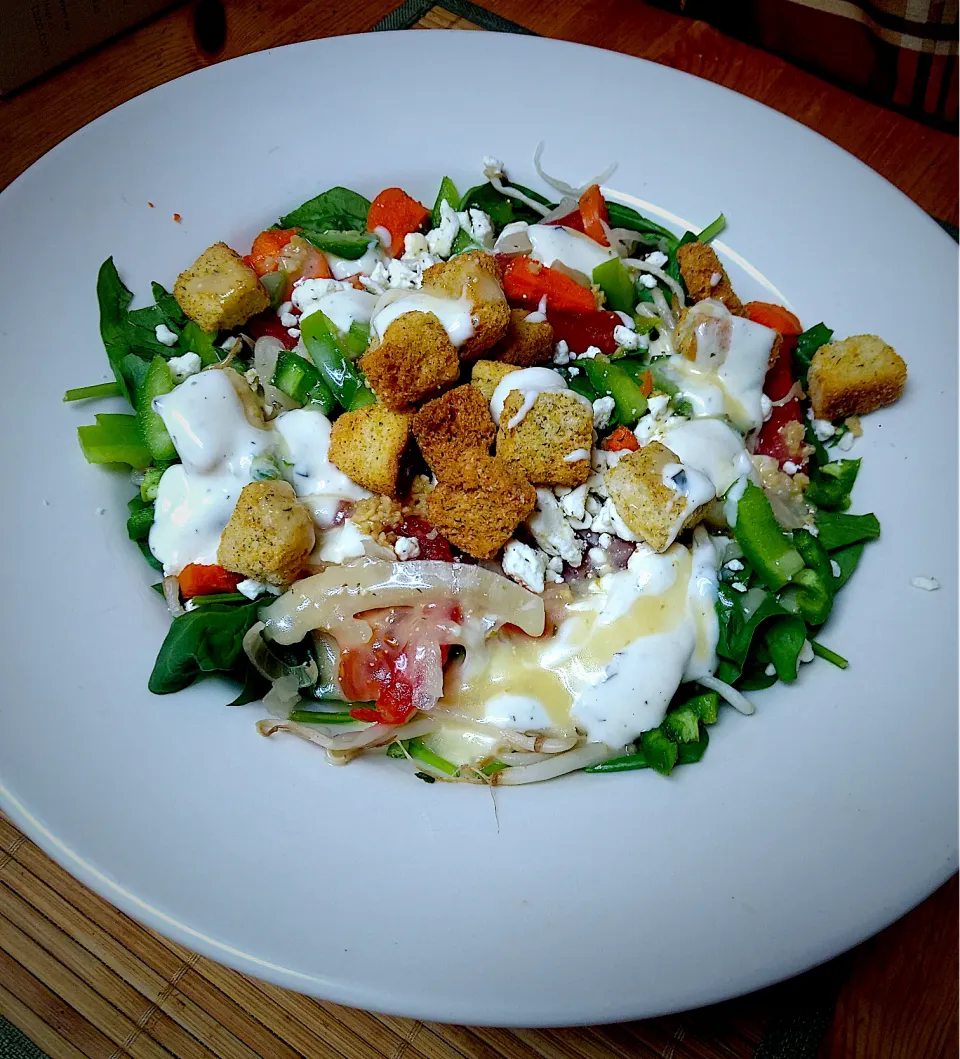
x: 855, y: 376
x: 486, y: 374
x: 559, y: 425
x: 476, y: 276
x: 699, y: 264
x: 415, y: 360
x: 525, y: 344
x: 648, y: 506
x: 480, y: 517
x: 219, y: 291
x: 269, y: 535
x: 450, y: 426
x: 368, y: 445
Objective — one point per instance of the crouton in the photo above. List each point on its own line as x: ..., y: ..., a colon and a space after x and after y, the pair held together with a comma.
x: 416, y: 359
x: 450, y: 426
x: 699, y: 265
x: 486, y: 375
x: 480, y: 516
x: 476, y: 276
x: 855, y: 376
x: 557, y: 427
x: 710, y: 324
x: 643, y: 500
x: 269, y: 535
x: 525, y: 344
x: 219, y: 291
x: 368, y: 446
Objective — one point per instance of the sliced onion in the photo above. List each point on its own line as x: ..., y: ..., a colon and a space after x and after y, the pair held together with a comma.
x: 795, y: 393
x: 356, y: 739
x: 666, y: 312
x: 558, y: 765
x: 513, y: 242
x: 623, y: 240
x: 539, y: 744
x: 283, y: 696
x: 266, y: 663
x: 513, y: 193
x: 639, y: 263
x: 578, y: 277
x: 266, y: 351
x: 251, y: 406
x: 561, y: 185
x: 729, y: 694
x: 566, y: 206
x: 171, y: 595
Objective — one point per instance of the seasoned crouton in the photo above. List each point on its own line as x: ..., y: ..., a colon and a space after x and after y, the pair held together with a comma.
x: 551, y: 443
x: 476, y: 276
x: 486, y: 375
x: 416, y: 359
x: 480, y: 516
x: 699, y: 265
x: 525, y: 344
x: 368, y: 445
x: 269, y: 535
x: 644, y: 501
x: 219, y: 291
x: 855, y: 376
x: 450, y: 426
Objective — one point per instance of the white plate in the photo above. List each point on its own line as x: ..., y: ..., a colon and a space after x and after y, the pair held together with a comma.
x: 805, y: 829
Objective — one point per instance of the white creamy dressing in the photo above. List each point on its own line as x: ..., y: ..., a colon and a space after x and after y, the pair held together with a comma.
x: 218, y: 447
x: 340, y: 303
x: 343, y: 268
x: 530, y: 383
x: 709, y: 446
x: 615, y: 660
x: 553, y: 243
x: 456, y: 314
x: 732, y: 354
x: 689, y: 483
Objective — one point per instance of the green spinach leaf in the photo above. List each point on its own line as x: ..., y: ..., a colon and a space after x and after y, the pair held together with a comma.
x: 206, y: 640
x: 807, y: 344
x: 738, y: 630
x: 349, y: 245
x: 501, y: 209
x: 831, y: 484
x: 338, y: 209
x: 837, y: 529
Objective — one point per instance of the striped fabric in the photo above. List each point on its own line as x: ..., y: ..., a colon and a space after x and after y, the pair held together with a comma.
x: 900, y: 53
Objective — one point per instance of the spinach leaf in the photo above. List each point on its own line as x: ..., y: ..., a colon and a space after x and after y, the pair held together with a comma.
x: 738, y: 632
x: 831, y: 484
x: 837, y: 529
x: 501, y: 209
x: 338, y: 209
x: 152, y: 560
x: 784, y: 639
x: 140, y: 519
x: 193, y: 339
x: 168, y: 305
x: 807, y: 344
x: 114, y: 299
x: 206, y: 640
x: 254, y: 687
x: 349, y: 245
x: 847, y: 559
x: 652, y: 233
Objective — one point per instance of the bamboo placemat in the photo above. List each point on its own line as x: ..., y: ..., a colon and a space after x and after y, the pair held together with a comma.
x: 79, y: 978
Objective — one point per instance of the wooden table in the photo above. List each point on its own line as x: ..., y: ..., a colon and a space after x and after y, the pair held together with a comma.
x: 81, y: 979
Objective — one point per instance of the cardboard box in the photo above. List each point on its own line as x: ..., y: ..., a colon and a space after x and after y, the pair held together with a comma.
x: 39, y: 35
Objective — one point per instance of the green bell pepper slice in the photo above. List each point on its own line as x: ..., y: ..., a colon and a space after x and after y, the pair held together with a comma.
x: 766, y: 547
x: 615, y: 282
x: 115, y: 438
x: 610, y: 379
x: 329, y: 355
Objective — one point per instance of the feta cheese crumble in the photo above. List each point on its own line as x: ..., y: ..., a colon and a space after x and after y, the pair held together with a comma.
x: 165, y: 336
x: 925, y: 584
x: 525, y: 565
x: 407, y: 548
x: 603, y: 408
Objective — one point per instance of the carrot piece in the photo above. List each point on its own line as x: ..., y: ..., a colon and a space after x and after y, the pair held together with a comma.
x: 619, y: 440
x: 264, y: 253
x: 593, y: 210
x: 315, y: 266
x: 400, y: 214
x: 646, y: 383
x: 527, y: 281
x: 196, y: 580
x: 775, y: 317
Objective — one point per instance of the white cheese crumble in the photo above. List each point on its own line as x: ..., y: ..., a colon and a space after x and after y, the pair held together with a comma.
x: 561, y: 355
x: 525, y: 565
x: 835, y: 568
x: 407, y: 548
x: 603, y: 408
x: 822, y: 428
x: 658, y: 259
x: 926, y: 584
x: 183, y: 367
x: 251, y: 589
x: 715, y: 278
x: 626, y: 337
x: 440, y: 239
x: 165, y: 336
x: 648, y: 281
x: 734, y: 566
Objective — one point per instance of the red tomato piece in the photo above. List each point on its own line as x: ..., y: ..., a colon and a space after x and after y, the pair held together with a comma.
x: 399, y: 213
x: 583, y: 329
x: 593, y: 211
x: 268, y: 323
x: 572, y: 220
x: 196, y: 580
x: 264, y: 255
x: 432, y: 545
x: 526, y: 281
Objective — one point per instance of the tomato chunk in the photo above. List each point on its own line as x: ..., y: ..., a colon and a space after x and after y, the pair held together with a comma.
x: 593, y: 212
x: 397, y: 212
x: 526, y: 281
x: 196, y: 580
x: 584, y: 329
x: 432, y: 545
x: 264, y: 255
x: 774, y: 316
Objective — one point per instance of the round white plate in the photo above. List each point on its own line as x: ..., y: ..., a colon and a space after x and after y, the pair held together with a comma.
x: 806, y: 828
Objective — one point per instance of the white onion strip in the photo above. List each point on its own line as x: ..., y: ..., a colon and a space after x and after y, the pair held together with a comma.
x: 561, y: 185
x: 736, y: 699
x: 794, y: 393
x: 512, y: 193
x: 356, y: 739
x: 643, y: 266
x: 171, y: 595
x: 558, y: 765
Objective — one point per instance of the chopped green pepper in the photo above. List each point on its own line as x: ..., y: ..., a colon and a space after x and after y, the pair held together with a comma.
x: 682, y: 725
x: 158, y: 381
x: 102, y: 389
x: 660, y: 752
x: 321, y: 717
x: 691, y: 753
x: 768, y: 550
x: 151, y: 483
x: 140, y: 518
x: 115, y: 438
x: 330, y: 358
x: 301, y: 381
x: 810, y: 595
x: 831, y: 484
x: 612, y: 380
x: 813, y: 553
x: 615, y: 282
x: 275, y: 283
x: 625, y: 763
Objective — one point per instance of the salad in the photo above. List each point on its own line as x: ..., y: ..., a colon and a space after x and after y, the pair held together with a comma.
x: 506, y: 488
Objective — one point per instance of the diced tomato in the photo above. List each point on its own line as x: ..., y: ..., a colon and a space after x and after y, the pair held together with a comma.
x: 196, y: 580
x: 401, y: 668
x: 432, y: 545
x: 583, y: 329
x: 774, y: 316
x: 399, y: 213
x: 779, y: 378
x: 526, y: 281
x: 264, y: 255
x: 572, y: 220
x: 315, y: 266
x: 646, y: 383
x: 777, y: 437
x: 620, y: 440
x: 593, y: 212
x: 268, y: 323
